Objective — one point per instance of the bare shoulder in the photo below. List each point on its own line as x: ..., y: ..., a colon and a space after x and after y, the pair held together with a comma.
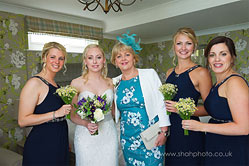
x: 33, y: 85
x: 169, y: 71
x: 109, y: 82
x: 77, y: 82
x: 236, y: 88
x: 201, y: 72
x: 236, y: 82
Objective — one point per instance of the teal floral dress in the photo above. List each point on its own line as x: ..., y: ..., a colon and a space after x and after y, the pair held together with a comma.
x: 134, y: 120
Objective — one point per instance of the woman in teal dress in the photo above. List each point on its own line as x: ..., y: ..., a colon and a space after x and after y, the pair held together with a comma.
x: 140, y: 104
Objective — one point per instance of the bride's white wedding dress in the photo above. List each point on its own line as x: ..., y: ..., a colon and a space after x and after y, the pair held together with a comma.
x: 101, y: 149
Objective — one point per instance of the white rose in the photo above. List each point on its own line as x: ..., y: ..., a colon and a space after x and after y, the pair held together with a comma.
x: 98, y: 115
x: 81, y: 114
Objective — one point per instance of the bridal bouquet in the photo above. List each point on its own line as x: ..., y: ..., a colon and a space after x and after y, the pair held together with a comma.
x: 93, y: 109
x: 67, y: 94
x: 186, y: 108
x: 169, y: 91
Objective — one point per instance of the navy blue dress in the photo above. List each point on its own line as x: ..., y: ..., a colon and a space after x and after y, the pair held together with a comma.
x: 180, y: 149
x: 223, y: 150
x: 47, y: 143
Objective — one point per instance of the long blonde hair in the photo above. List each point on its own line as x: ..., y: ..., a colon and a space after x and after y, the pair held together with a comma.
x: 85, y: 71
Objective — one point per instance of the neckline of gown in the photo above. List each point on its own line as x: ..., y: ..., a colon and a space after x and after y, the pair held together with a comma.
x: 96, y: 94
x: 188, y: 70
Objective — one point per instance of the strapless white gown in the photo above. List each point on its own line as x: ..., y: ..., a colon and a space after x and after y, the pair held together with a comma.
x: 101, y: 149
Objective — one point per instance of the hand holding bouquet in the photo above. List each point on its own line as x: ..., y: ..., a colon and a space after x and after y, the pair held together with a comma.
x: 169, y: 91
x: 186, y: 108
x: 67, y: 94
x: 92, y: 109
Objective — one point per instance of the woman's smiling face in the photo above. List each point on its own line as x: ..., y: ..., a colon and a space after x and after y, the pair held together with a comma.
x: 220, y: 59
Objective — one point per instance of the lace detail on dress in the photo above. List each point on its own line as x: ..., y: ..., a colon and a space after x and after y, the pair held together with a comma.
x: 102, y: 148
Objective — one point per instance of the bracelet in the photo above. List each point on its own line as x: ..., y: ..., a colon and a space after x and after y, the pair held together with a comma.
x: 53, y: 115
x: 166, y: 133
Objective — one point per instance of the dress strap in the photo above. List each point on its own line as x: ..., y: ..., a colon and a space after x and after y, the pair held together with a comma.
x: 43, y: 80
x: 230, y: 77
x: 192, y: 68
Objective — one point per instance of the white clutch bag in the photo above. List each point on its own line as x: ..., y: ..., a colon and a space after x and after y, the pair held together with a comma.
x: 149, y: 135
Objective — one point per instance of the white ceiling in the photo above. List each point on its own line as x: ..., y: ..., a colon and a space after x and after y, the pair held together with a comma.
x: 151, y: 20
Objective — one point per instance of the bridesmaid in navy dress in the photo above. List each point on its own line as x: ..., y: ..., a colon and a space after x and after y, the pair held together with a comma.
x: 193, y: 81
x: 227, y: 139
x: 40, y: 107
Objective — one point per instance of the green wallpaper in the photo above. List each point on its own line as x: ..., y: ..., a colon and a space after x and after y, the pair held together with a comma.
x: 17, y: 65
x: 13, y: 74
x: 160, y: 55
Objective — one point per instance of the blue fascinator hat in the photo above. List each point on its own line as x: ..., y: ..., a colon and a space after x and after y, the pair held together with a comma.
x: 129, y: 40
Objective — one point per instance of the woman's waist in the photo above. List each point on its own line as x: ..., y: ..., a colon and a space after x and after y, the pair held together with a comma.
x: 219, y: 120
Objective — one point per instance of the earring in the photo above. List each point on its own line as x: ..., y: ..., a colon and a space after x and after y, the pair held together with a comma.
x: 174, y: 60
x: 44, y: 65
x: 85, y: 67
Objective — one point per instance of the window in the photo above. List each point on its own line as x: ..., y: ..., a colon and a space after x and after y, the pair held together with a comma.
x: 36, y: 42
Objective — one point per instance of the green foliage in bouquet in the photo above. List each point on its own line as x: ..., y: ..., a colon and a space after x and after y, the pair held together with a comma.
x: 186, y: 108
x: 67, y: 94
x: 169, y: 91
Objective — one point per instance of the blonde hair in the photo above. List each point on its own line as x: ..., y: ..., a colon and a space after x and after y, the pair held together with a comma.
x: 85, y: 71
x: 122, y: 47
x: 189, y: 33
x: 45, y: 51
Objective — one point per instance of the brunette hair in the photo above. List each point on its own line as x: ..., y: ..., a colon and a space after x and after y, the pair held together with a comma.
x: 221, y: 39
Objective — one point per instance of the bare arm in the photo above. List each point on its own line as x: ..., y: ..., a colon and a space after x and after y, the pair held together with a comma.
x: 29, y: 98
x: 204, y: 86
x: 237, y: 95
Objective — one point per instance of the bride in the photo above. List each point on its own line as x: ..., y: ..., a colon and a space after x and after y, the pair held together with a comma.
x: 91, y: 150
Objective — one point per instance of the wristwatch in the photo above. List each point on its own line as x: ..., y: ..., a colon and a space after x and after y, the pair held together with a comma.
x: 166, y: 133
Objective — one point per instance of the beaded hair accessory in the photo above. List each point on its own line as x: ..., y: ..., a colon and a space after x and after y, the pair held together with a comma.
x: 129, y: 40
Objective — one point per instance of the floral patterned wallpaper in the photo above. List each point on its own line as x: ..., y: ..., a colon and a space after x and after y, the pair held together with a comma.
x: 13, y: 75
x: 160, y: 55
x: 17, y: 65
